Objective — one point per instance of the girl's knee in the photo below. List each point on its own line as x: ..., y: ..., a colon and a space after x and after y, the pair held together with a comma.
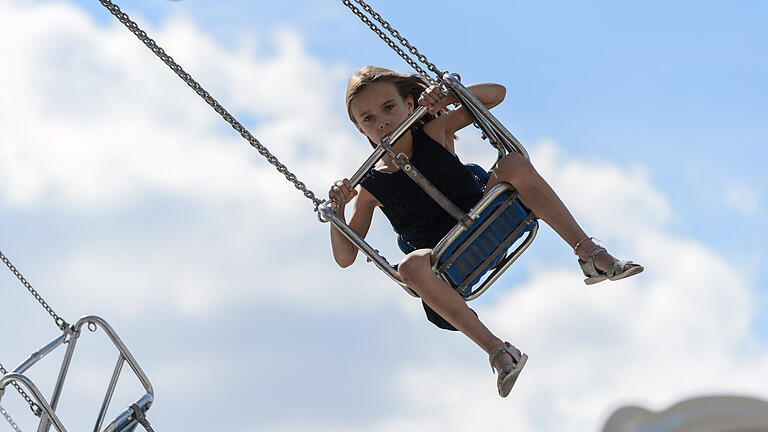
x: 414, y: 267
x: 514, y: 168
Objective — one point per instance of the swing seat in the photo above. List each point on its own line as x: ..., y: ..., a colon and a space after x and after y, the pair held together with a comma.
x: 125, y: 421
x: 464, y: 255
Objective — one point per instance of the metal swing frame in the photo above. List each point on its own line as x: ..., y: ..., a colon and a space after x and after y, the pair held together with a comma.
x: 505, y: 143
x: 125, y: 421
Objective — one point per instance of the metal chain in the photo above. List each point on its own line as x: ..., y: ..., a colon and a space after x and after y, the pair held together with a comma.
x: 396, y: 34
x: 36, y: 410
x: 10, y: 420
x: 152, y: 45
x: 403, y: 41
x: 60, y: 323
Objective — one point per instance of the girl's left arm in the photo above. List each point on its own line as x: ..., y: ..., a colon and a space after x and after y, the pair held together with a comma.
x: 444, y: 127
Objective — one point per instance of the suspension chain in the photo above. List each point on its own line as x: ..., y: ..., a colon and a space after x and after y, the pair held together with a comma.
x: 152, y: 45
x: 36, y: 410
x: 10, y: 420
x: 396, y: 34
x: 60, y: 323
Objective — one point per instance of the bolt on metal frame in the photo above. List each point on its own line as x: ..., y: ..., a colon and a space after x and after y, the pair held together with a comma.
x: 502, y: 140
x: 47, y: 411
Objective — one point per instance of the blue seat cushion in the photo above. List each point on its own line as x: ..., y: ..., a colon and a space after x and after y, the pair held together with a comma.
x: 484, y: 245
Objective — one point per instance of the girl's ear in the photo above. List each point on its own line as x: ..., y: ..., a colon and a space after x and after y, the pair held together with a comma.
x: 409, y: 103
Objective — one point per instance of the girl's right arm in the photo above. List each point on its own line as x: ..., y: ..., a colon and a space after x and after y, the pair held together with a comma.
x: 344, y: 251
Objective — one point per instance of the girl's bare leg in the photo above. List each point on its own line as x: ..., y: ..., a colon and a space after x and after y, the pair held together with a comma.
x: 416, y: 272
x: 544, y: 202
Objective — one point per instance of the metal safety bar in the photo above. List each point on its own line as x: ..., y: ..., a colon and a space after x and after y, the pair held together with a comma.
x: 386, y: 144
x: 70, y: 338
x: 487, y: 122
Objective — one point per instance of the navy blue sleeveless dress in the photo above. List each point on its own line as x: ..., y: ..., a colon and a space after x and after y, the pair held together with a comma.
x: 419, y: 221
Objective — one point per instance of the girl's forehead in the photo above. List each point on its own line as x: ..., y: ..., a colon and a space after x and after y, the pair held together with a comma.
x: 374, y: 94
x: 381, y: 86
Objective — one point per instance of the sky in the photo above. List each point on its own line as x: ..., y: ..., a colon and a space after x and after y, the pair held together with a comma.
x: 123, y: 195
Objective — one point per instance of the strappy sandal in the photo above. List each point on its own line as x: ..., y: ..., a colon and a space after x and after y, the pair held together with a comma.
x: 508, y: 373
x: 617, y: 270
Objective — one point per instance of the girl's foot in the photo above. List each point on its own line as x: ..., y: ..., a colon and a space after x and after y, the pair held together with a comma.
x: 598, y: 265
x: 509, y: 362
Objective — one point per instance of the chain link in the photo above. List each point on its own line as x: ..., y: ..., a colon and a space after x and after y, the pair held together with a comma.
x: 168, y: 60
x: 36, y: 410
x: 10, y: 420
x: 396, y: 34
x: 60, y: 323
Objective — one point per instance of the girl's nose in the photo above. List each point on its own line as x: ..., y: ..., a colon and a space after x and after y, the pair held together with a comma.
x: 381, y: 126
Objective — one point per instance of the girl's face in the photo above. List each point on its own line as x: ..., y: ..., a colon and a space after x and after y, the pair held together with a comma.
x: 379, y: 109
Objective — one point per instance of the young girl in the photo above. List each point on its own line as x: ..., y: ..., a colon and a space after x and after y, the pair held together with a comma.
x: 378, y: 101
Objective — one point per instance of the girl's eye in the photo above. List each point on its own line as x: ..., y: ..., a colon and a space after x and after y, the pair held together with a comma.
x: 389, y: 107
x: 366, y: 118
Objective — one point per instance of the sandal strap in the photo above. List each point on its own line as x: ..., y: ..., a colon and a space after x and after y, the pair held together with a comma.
x: 506, y: 347
x: 618, y: 267
x: 588, y: 266
x: 594, y: 250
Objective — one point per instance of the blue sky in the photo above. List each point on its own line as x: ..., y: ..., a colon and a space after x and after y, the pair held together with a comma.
x: 122, y: 194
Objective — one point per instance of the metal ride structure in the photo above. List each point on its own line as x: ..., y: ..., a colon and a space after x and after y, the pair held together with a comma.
x: 45, y: 409
x: 485, y: 241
